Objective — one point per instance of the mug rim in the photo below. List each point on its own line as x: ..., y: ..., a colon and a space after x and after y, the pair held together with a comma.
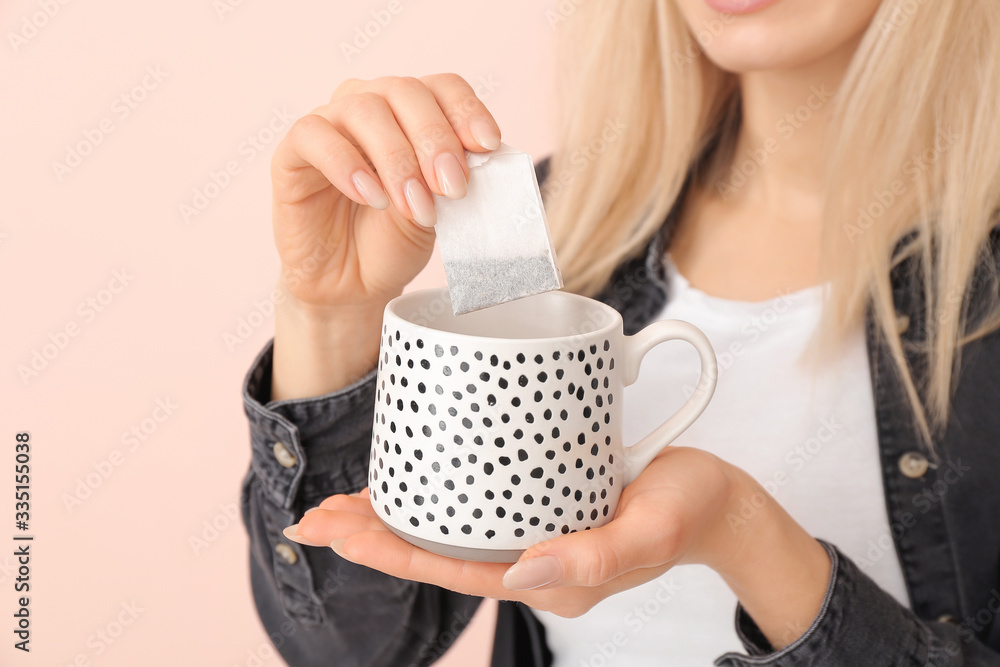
x: 615, y: 325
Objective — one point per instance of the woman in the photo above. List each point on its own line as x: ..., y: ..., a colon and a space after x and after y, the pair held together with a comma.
x: 815, y: 185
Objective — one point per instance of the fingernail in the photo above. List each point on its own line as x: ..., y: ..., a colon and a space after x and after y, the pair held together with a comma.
x: 292, y: 533
x: 370, y: 190
x: 484, y: 133
x: 450, y: 175
x: 420, y: 203
x: 533, y: 573
x: 338, y: 547
x: 311, y: 509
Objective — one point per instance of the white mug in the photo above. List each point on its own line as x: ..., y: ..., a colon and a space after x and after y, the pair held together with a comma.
x: 501, y: 428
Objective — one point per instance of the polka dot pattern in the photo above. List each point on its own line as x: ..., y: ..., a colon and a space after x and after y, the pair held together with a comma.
x: 495, y: 448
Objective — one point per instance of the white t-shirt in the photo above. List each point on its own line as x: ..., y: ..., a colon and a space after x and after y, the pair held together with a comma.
x: 809, y: 438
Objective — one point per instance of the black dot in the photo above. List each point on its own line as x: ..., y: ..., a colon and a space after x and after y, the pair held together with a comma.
x: 549, y: 527
x: 450, y: 485
x: 502, y: 382
x: 515, y: 401
x: 490, y: 533
x: 517, y: 517
x: 471, y: 388
x: 488, y: 468
x: 450, y: 511
x: 520, y: 358
x: 550, y: 483
x: 478, y: 355
x: 425, y: 364
x: 515, y: 480
x: 550, y: 454
x: 518, y: 434
x: 454, y: 350
x: 493, y: 360
x: 436, y: 467
x: 501, y: 512
x: 505, y: 418
x: 420, y: 343
x: 506, y: 365
x: 478, y: 440
x: 586, y: 412
x: 456, y: 462
x: 438, y: 389
x: 419, y: 500
x: 593, y: 383
x: 444, y: 529
x: 504, y: 460
x: 426, y: 430
x: 528, y: 499
x: 457, y: 395
x: 447, y: 371
x: 484, y: 376
x: 562, y: 468
x: 539, y: 438
x: 489, y: 495
x: 415, y: 521
x: 438, y: 350
x: 523, y: 380
x: 467, y: 423
x: 468, y: 529
x: 477, y: 513
x: 418, y: 455
x: 421, y: 387
x: 530, y: 418
x: 559, y: 374
x: 507, y: 494
x: 464, y: 366
x: 472, y: 458
x: 537, y: 473
x: 538, y: 397
x: 579, y: 394
x: 522, y: 455
x: 594, y: 450
x: 518, y: 532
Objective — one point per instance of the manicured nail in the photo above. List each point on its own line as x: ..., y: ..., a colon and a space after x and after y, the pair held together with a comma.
x: 292, y: 533
x: 420, y: 203
x: 311, y: 509
x: 450, y: 175
x: 533, y: 573
x: 338, y: 547
x: 370, y: 190
x: 484, y: 133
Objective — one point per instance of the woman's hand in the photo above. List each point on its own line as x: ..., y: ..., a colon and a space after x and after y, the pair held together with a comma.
x: 688, y: 506
x: 353, y: 215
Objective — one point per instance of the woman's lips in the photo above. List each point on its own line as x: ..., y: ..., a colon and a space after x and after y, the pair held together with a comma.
x: 739, y: 6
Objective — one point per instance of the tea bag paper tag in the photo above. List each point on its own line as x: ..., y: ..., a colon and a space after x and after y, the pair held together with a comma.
x: 495, y: 241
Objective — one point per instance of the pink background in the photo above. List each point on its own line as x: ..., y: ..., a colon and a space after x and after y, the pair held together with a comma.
x: 128, y: 552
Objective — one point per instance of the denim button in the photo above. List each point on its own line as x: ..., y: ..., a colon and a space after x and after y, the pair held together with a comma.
x: 287, y: 553
x: 285, y: 457
x: 913, y: 464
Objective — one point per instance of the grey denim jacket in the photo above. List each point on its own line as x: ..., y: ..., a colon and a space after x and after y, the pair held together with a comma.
x: 944, y: 512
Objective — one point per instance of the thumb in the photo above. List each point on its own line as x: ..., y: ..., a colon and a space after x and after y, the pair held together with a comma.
x: 591, y: 557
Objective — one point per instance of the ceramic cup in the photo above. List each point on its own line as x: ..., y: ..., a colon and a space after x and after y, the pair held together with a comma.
x: 502, y: 428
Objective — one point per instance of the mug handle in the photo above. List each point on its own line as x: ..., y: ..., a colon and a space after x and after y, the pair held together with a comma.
x: 638, y: 456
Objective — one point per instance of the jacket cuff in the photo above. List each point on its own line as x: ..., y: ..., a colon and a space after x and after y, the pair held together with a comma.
x: 309, y: 447
x: 858, y: 622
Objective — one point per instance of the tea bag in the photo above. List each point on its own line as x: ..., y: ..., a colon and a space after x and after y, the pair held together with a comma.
x: 495, y: 241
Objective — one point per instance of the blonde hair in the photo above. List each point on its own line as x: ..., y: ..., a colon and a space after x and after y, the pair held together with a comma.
x: 916, y: 117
